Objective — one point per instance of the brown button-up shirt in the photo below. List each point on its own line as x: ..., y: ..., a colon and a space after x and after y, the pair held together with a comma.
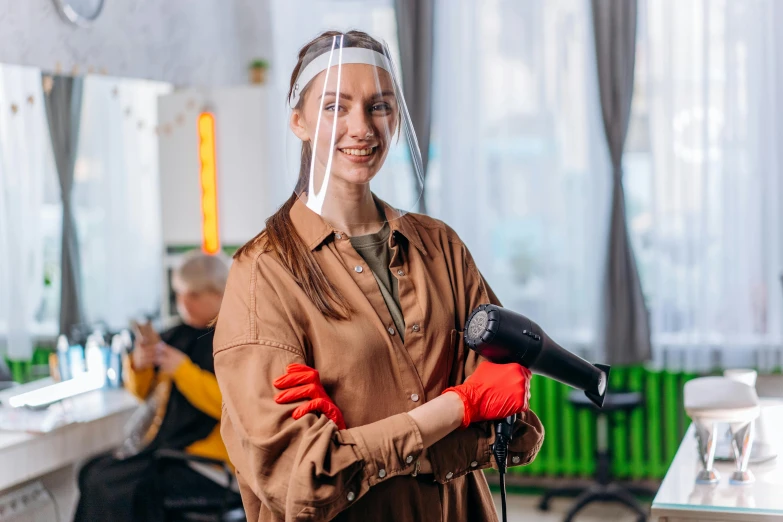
x: 307, y: 469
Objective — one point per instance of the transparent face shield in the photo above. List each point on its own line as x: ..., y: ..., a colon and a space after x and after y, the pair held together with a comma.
x: 351, y: 136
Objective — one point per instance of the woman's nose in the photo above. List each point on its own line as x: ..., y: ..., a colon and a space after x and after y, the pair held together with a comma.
x: 360, y: 124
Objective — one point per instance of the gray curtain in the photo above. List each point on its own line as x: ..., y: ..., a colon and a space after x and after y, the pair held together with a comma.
x: 626, y: 334
x: 63, y: 111
x: 415, y: 32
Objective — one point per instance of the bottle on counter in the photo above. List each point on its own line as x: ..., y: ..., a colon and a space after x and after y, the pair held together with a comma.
x: 114, y: 371
x: 76, y: 361
x: 96, y: 363
x: 63, y: 363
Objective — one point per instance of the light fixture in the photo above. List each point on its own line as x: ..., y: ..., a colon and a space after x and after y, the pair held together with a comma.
x: 47, y: 395
x: 210, y: 235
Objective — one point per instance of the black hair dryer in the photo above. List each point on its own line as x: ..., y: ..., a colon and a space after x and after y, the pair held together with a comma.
x: 503, y: 336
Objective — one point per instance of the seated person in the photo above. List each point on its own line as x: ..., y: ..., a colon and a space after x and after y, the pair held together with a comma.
x: 176, y: 371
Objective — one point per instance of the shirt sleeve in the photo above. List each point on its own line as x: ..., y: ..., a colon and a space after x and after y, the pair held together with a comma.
x: 137, y: 382
x: 463, y: 451
x: 299, y: 469
x: 199, y: 387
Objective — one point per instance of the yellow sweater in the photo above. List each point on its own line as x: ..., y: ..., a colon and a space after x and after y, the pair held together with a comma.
x: 199, y: 387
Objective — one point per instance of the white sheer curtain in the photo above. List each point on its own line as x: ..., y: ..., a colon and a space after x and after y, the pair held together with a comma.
x: 519, y: 166
x: 24, y: 149
x: 703, y: 178
x: 117, y: 195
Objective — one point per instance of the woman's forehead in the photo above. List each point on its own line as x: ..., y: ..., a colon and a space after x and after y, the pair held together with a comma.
x: 355, y: 78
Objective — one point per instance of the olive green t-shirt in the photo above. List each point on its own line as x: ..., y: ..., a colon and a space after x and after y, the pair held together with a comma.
x: 375, y: 250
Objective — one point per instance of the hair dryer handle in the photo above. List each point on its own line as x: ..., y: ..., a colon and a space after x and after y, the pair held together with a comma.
x: 503, y: 432
x: 505, y: 426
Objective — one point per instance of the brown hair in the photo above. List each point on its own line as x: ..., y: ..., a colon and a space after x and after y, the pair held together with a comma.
x: 280, y: 236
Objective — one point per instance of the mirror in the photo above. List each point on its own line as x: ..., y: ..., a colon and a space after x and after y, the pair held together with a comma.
x: 115, y: 201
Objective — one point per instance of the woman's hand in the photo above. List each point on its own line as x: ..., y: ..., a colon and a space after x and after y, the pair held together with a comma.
x: 494, y: 391
x: 301, y: 382
x: 168, y: 359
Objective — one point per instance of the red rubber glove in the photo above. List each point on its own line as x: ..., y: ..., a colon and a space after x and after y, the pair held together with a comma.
x: 302, y: 382
x: 494, y: 391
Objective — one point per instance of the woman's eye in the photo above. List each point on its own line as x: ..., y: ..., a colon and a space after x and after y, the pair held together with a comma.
x: 381, y: 107
x: 334, y: 108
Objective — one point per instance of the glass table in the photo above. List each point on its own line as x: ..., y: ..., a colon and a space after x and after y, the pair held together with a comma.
x: 681, y: 499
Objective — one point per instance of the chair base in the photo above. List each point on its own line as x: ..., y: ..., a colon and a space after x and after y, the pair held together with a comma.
x: 598, y: 493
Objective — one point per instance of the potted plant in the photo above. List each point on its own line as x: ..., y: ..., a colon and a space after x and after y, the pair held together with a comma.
x: 258, y: 71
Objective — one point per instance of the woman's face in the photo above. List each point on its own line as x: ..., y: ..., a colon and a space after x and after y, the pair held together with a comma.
x: 366, y: 115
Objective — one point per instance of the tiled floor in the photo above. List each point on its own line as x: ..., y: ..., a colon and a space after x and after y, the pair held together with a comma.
x: 524, y: 508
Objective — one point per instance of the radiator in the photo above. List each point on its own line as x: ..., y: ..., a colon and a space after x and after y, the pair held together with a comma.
x: 643, y: 442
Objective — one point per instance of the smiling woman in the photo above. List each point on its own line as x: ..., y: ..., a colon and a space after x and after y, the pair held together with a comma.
x: 346, y: 116
x: 345, y: 294
x: 346, y: 119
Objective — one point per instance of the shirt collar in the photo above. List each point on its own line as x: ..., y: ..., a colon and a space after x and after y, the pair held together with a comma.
x: 314, y: 230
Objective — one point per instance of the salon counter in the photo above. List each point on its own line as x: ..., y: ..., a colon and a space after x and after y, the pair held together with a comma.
x: 88, y: 425
x: 680, y: 499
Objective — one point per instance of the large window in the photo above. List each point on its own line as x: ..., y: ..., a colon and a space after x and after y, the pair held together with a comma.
x: 701, y: 178
x: 519, y: 164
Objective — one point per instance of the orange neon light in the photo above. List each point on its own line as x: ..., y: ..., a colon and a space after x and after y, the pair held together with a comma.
x: 210, y: 242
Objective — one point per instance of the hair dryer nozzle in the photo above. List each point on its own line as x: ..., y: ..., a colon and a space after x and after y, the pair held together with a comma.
x: 598, y: 398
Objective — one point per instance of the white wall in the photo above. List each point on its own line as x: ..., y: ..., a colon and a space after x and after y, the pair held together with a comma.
x: 246, y: 191
x: 186, y: 42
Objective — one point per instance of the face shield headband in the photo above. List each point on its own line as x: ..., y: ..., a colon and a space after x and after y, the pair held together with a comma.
x: 329, y: 58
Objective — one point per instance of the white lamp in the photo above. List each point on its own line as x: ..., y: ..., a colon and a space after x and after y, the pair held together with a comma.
x: 711, y: 401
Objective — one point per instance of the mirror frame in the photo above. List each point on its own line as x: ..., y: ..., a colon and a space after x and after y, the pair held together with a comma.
x: 70, y: 14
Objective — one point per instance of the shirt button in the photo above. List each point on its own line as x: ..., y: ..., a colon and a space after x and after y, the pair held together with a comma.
x: 400, y: 272
x: 351, y: 496
x: 515, y: 459
x: 415, y: 328
x: 449, y: 475
x: 415, y: 398
x: 382, y: 473
x: 473, y: 464
x: 409, y: 459
x: 391, y: 331
x: 338, y: 235
x: 358, y: 269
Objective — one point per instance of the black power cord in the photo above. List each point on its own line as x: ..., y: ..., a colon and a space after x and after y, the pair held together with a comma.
x: 503, y: 429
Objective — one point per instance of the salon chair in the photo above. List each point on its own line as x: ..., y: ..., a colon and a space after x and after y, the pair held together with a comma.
x: 603, y: 489
x: 192, y: 509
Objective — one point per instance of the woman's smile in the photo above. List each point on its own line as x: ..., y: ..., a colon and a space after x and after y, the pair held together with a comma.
x: 359, y: 154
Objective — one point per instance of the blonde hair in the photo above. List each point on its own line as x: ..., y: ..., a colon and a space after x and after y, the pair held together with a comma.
x: 200, y: 272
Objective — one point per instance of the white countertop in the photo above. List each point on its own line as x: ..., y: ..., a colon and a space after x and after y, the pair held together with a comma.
x: 90, y: 424
x: 679, y: 494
